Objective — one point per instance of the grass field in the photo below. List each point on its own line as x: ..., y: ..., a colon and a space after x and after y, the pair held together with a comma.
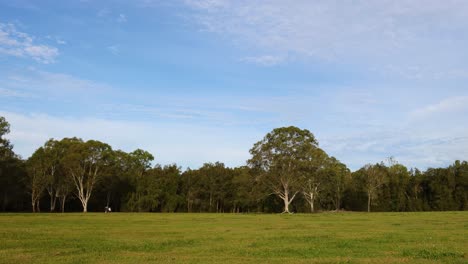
x: 235, y: 238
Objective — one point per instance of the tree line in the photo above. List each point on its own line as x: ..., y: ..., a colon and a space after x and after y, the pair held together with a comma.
x: 287, y: 172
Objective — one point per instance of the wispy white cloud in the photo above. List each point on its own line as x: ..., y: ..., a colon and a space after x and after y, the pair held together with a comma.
x: 108, y: 14
x: 13, y: 93
x: 114, y: 49
x: 446, y: 106
x: 57, y: 39
x: 419, y: 39
x: 122, y: 18
x: 22, y: 5
x: 103, y: 12
x: 407, y: 145
x: 19, y: 44
x: 43, y: 84
x: 430, y: 135
x: 266, y: 60
x: 210, y: 5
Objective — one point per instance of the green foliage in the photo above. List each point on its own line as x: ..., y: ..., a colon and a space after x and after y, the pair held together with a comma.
x: 12, y: 173
x: 334, y: 178
x: 5, y: 146
x: 287, y: 161
x: 156, y: 190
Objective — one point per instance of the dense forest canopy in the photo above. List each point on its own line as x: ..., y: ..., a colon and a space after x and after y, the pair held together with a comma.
x: 287, y: 172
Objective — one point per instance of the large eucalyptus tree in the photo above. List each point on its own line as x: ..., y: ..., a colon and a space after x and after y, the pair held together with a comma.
x: 281, y: 158
x: 85, y: 163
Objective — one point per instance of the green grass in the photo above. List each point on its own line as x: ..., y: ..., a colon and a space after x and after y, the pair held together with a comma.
x: 436, y: 237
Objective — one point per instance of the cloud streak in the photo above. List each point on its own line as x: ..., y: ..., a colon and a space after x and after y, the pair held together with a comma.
x: 18, y: 44
x: 49, y: 84
x: 122, y: 18
x: 449, y: 105
x: 393, y: 37
x: 266, y: 60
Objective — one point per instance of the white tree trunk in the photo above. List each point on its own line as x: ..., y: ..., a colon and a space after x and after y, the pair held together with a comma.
x: 84, y: 203
x: 284, y: 195
x: 286, y: 203
x: 84, y: 189
x: 53, y: 201
x: 312, y: 200
x: 310, y: 194
x: 85, y: 206
x: 62, y: 202
x: 369, y: 195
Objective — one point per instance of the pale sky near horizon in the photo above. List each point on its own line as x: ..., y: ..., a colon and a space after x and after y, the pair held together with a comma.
x: 202, y: 81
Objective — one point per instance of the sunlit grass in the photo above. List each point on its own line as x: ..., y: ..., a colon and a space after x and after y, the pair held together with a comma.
x: 235, y: 238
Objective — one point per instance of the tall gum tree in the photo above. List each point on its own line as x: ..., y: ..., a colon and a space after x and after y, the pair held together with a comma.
x: 85, y: 161
x: 37, y: 177
x: 280, y: 157
x: 62, y: 181
x: 313, y: 179
x: 52, y: 155
x: 374, y: 178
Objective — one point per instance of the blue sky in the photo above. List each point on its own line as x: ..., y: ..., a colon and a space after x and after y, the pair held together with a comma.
x: 202, y: 81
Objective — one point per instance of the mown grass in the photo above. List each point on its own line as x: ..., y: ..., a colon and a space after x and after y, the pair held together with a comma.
x: 436, y: 237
